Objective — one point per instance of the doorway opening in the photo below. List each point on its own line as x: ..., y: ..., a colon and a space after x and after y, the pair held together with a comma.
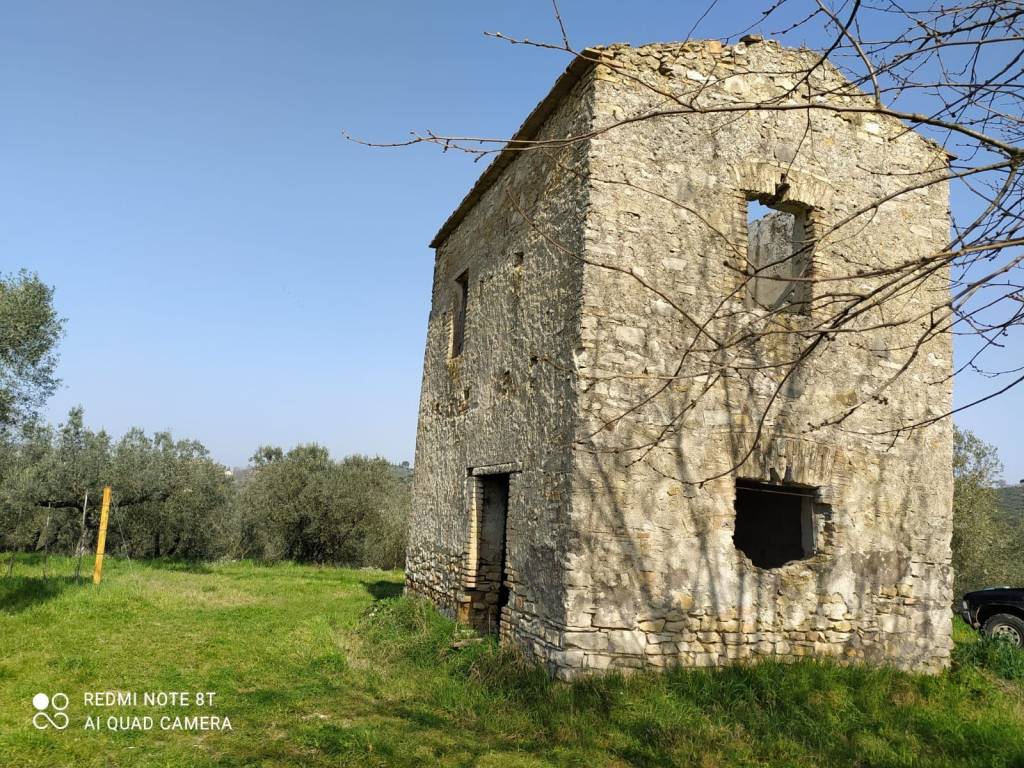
x: 492, y: 591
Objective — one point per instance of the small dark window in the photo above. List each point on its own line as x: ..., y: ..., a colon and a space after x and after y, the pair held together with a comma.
x: 459, y: 317
x: 779, y: 250
x: 774, y: 523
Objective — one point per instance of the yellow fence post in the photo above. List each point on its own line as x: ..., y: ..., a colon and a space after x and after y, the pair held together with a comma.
x: 101, y: 542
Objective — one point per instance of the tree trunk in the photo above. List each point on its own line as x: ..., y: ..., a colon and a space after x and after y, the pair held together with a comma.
x: 81, y: 539
x: 43, y: 541
x: 14, y: 545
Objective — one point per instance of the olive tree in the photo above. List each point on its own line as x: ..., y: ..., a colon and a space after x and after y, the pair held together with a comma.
x: 29, y: 332
x: 987, y: 546
x: 301, y: 505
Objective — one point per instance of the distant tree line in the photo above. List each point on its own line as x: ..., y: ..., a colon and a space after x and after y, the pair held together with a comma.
x: 171, y: 499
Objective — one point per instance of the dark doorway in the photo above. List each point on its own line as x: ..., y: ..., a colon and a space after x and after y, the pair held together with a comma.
x: 774, y: 523
x: 491, y: 578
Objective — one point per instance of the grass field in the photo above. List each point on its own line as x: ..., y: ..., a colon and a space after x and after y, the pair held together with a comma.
x: 322, y: 667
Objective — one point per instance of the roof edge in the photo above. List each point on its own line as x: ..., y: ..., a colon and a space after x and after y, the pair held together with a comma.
x: 579, y: 66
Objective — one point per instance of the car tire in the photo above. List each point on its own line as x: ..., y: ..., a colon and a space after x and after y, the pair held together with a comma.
x: 1005, y: 626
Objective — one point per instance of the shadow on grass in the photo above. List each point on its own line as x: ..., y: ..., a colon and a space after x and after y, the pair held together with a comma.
x: 18, y: 593
x: 381, y: 590
x: 23, y: 558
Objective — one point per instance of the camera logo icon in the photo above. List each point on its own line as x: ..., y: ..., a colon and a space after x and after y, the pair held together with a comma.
x: 43, y: 718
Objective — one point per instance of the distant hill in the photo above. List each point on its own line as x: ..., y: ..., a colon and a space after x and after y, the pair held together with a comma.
x: 1011, y: 499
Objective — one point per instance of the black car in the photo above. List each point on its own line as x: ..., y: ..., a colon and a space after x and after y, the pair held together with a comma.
x: 996, y: 611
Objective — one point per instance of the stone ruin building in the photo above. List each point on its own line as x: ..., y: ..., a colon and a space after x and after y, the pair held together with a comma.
x: 562, y: 285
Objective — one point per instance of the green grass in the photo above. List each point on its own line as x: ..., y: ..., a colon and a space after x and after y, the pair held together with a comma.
x: 327, y: 667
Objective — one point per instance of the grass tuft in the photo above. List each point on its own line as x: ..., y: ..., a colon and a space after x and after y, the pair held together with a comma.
x: 996, y: 656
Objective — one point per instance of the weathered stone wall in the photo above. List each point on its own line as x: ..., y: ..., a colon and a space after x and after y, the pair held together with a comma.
x: 507, y: 403
x: 654, y: 577
x: 625, y: 558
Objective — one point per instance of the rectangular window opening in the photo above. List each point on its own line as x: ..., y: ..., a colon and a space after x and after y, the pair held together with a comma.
x: 779, y: 252
x: 774, y: 522
x: 459, y: 316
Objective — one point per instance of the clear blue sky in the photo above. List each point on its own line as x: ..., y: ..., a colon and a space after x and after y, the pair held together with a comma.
x: 231, y: 268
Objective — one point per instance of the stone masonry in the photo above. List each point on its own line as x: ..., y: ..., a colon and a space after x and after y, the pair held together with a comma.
x: 548, y: 351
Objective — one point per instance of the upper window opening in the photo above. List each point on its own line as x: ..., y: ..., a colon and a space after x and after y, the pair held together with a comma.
x: 459, y: 318
x: 774, y: 523
x: 779, y: 252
